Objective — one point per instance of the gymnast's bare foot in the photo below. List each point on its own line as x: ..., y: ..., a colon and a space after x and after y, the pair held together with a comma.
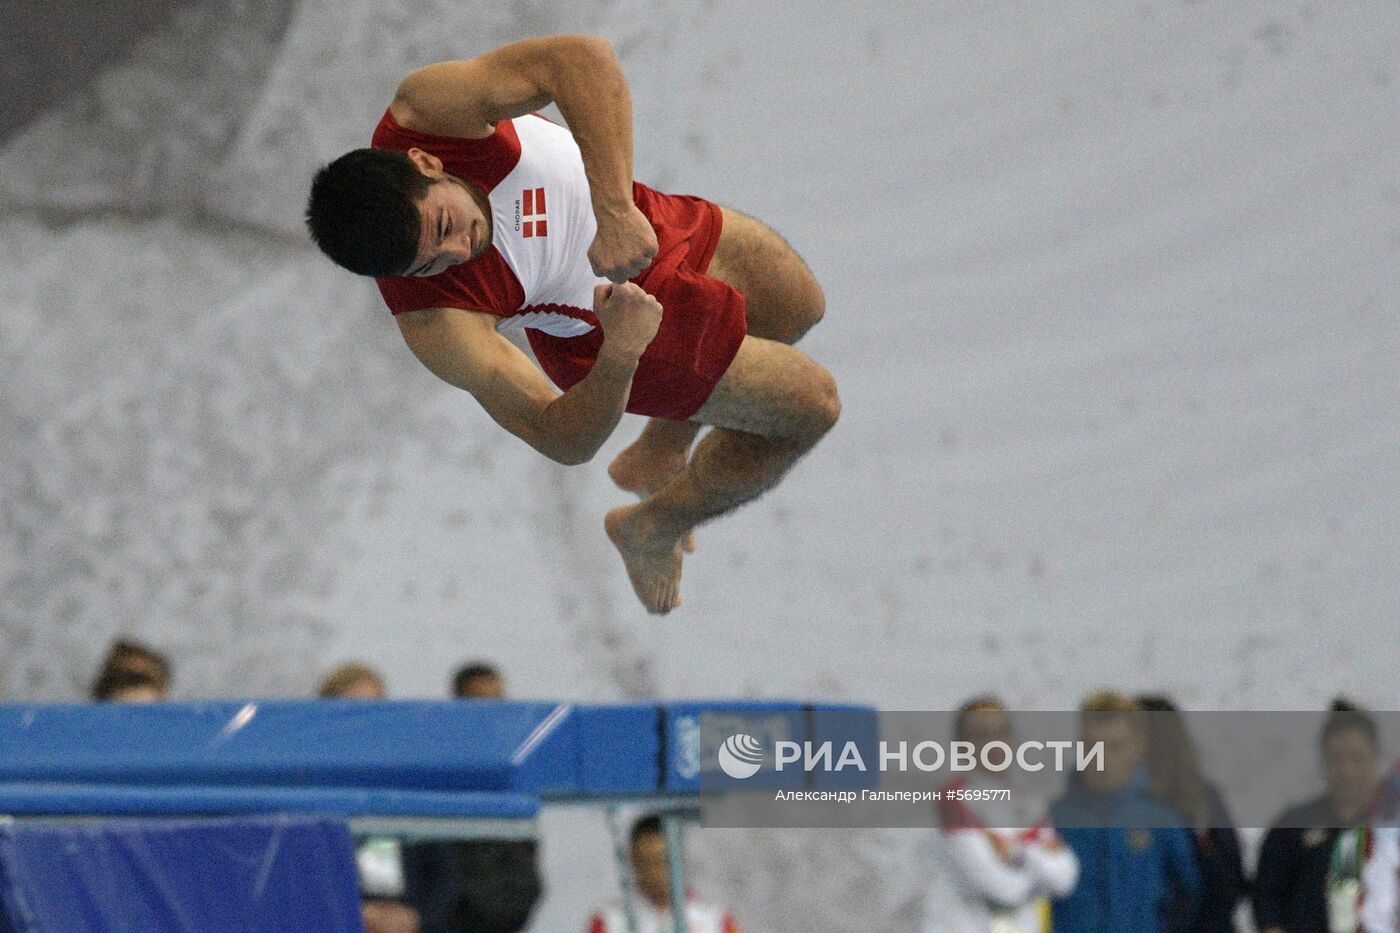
x: 645, y: 466
x: 653, y: 561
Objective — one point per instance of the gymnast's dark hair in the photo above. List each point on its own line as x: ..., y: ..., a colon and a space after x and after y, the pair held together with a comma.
x: 363, y: 211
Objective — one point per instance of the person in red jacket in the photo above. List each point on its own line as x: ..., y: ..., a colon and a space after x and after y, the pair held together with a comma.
x: 479, y: 217
x: 651, y: 912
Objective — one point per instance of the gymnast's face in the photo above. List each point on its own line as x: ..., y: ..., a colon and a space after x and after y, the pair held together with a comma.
x: 454, y: 222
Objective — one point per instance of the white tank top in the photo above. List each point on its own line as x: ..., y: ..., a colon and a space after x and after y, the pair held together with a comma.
x: 543, y: 224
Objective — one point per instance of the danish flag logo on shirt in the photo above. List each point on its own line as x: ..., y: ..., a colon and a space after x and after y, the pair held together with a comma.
x: 532, y: 213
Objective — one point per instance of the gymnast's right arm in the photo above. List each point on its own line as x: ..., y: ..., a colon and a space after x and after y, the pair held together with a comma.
x: 464, y: 349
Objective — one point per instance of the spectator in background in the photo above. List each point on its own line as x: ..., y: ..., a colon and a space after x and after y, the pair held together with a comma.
x: 1380, y: 872
x: 1379, y: 910
x: 652, y: 876
x: 478, y: 681
x: 1174, y: 776
x: 387, y: 916
x: 1132, y: 876
x: 478, y: 885
x: 132, y: 673
x: 999, y: 861
x: 352, y: 681
x: 127, y: 687
x: 1306, y: 882
x: 131, y: 655
x: 379, y: 859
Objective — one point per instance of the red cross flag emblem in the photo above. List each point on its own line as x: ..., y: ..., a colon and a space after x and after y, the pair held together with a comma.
x: 532, y: 213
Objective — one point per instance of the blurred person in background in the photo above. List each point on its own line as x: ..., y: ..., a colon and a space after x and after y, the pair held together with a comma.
x: 476, y: 885
x: 1379, y: 900
x: 132, y: 672
x: 127, y: 687
x: 651, y: 875
x: 387, y: 916
x: 1380, y: 871
x: 478, y: 681
x: 352, y: 681
x: 379, y: 859
x: 997, y: 861
x: 1137, y: 866
x: 1309, y: 875
x: 1174, y: 776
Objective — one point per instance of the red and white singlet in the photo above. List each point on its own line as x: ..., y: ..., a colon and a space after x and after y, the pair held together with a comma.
x: 535, y: 275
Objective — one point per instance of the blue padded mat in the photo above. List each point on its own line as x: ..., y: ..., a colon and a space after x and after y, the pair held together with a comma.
x: 277, y: 874
x: 62, y: 799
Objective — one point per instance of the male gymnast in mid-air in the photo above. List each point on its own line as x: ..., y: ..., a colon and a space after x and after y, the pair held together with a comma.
x: 477, y: 216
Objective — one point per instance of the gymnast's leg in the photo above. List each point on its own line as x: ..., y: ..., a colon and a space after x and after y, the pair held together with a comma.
x: 772, y: 406
x: 782, y: 301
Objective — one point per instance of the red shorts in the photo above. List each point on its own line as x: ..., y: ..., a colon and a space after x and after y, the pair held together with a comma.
x: 702, y: 318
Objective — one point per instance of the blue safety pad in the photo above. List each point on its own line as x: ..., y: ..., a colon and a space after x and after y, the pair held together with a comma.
x: 619, y: 749
x: 768, y: 721
x: 550, y: 750
x: 54, y: 799
x: 269, y: 874
x: 842, y: 725
x: 453, y: 746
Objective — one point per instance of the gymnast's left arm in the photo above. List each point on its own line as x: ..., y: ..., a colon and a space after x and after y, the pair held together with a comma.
x: 583, y: 76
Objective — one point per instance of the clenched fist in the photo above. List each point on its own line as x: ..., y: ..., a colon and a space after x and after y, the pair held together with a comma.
x: 629, y: 317
x: 624, y: 246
